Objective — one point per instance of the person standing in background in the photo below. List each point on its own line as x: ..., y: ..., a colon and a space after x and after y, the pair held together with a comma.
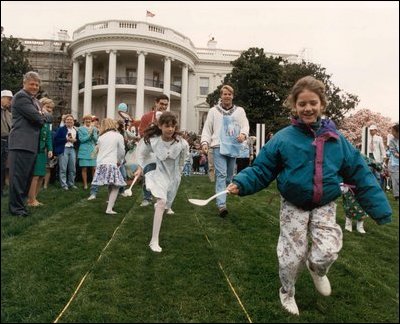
x: 64, y: 141
x: 27, y: 120
x: 376, y: 147
x: 393, y: 164
x: 88, y: 136
x: 6, y: 96
x: 45, y: 151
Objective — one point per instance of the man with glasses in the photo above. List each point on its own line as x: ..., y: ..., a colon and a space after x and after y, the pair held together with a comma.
x: 161, y: 105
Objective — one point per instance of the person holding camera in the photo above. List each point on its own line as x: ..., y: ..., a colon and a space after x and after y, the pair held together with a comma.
x: 64, y: 147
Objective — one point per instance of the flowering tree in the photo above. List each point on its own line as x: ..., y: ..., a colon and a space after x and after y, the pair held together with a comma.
x: 351, y: 126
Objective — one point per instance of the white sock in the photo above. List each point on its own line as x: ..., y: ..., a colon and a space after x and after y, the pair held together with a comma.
x: 112, y: 197
x: 158, y: 216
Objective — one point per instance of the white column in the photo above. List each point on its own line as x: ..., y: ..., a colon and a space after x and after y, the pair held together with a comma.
x: 167, y: 78
x: 184, y: 97
x: 258, y: 138
x: 192, y: 123
x: 112, y: 70
x: 75, y: 89
x: 262, y: 135
x: 87, y: 99
x: 140, y: 85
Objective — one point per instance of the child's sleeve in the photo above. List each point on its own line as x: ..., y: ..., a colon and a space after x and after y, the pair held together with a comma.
x: 368, y: 192
x: 143, y: 151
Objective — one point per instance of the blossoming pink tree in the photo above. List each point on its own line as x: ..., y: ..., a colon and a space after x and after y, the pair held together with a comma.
x: 351, y: 126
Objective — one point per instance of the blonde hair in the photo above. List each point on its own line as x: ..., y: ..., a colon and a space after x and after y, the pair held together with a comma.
x: 306, y: 83
x: 87, y: 117
x: 227, y: 87
x: 47, y: 102
x: 107, y: 124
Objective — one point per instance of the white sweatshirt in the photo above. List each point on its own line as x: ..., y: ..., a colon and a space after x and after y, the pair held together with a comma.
x: 111, y: 148
x: 212, y: 126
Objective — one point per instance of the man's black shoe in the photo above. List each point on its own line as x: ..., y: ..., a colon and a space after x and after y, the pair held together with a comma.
x: 20, y: 214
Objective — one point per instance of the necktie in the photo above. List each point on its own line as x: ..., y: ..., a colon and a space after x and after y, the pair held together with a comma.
x: 371, y: 145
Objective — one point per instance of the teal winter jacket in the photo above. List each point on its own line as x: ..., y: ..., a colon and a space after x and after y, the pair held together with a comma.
x: 309, y: 166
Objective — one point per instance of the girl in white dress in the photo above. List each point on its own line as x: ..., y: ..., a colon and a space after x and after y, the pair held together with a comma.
x: 111, y: 153
x: 170, y: 150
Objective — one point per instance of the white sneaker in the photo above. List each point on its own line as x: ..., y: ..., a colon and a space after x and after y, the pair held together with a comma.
x: 360, y: 227
x: 91, y: 197
x: 111, y: 212
x: 145, y: 203
x: 155, y: 247
x: 170, y: 211
x: 321, y: 283
x: 288, y: 302
x: 123, y: 194
x: 349, y: 225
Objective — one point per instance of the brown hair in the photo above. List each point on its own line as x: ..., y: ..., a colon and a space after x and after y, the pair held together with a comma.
x: 306, y: 83
x: 153, y: 130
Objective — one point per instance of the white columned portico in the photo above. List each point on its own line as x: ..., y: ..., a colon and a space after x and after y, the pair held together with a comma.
x: 140, y: 84
x: 192, y: 122
x: 87, y: 99
x: 167, y: 78
x: 75, y: 89
x: 112, y: 70
x: 184, y: 96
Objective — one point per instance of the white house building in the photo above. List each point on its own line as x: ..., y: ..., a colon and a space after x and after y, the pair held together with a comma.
x: 118, y: 61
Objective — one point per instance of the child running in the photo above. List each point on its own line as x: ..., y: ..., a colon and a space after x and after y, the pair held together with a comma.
x: 170, y: 151
x: 111, y: 152
x: 310, y: 159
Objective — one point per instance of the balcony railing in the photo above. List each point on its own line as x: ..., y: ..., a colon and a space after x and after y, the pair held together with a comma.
x: 176, y: 88
x: 154, y: 83
x: 126, y: 80
x: 132, y: 81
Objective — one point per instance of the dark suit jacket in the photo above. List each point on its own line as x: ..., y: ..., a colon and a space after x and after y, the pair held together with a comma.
x: 26, y: 123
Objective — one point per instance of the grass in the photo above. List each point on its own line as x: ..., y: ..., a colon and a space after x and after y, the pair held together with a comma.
x: 211, y: 269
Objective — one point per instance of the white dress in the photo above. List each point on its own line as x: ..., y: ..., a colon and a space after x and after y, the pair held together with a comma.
x: 163, y: 182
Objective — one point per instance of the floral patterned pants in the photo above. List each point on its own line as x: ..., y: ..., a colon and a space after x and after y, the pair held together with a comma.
x: 326, y: 240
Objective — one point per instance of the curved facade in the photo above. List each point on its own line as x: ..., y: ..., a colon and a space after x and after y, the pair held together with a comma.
x: 117, y: 61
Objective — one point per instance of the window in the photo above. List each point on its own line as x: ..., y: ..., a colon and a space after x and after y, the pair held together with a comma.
x: 130, y: 76
x: 156, y: 79
x: 204, y: 85
x: 176, y: 84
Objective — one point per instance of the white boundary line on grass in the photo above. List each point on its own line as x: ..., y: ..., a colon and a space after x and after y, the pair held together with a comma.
x: 227, y: 279
x: 87, y: 273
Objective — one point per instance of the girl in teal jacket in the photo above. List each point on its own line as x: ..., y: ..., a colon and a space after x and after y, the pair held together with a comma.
x: 310, y: 159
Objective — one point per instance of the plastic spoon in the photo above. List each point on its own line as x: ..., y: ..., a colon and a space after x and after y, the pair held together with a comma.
x: 203, y: 202
x: 128, y: 192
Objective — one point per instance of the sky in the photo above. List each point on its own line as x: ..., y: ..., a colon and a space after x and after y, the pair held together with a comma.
x: 357, y: 42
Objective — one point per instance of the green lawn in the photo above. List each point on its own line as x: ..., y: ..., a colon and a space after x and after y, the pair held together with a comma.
x: 211, y: 269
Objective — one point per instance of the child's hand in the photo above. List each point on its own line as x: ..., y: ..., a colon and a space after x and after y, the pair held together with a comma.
x: 233, y: 189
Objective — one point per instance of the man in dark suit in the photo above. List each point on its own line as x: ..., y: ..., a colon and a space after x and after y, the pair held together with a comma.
x: 27, y: 119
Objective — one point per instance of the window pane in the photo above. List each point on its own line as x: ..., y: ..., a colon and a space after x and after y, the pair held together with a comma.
x: 204, y: 85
